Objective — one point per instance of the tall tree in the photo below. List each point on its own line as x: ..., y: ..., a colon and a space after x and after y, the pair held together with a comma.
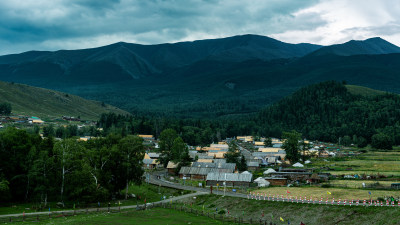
x: 291, y: 145
x: 268, y: 142
x: 68, y: 153
x: 166, y: 143
x: 133, y: 153
x: 381, y: 141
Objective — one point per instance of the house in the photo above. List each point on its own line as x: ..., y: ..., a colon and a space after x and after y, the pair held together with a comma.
x: 150, y: 163
x: 199, y: 173
x: 171, y: 167
x: 219, y: 161
x: 259, y: 143
x: 230, y: 166
x: 270, y: 149
x: 245, y: 138
x: 217, y: 155
x: 147, y: 137
x: 253, y: 166
x: 154, y: 155
x: 205, y: 160
x: 230, y: 179
x: 220, y: 146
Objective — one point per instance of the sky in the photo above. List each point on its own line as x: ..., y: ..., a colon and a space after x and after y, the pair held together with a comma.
x: 75, y: 24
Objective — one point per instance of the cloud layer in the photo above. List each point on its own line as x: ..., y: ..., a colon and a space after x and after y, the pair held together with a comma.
x: 72, y: 24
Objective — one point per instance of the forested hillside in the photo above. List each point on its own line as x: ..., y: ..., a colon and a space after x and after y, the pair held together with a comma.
x: 328, y: 111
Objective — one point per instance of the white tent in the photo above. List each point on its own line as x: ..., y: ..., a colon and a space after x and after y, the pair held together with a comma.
x: 246, y: 172
x: 307, y: 162
x: 270, y: 170
x: 258, y: 179
x: 298, y: 165
x: 263, y: 183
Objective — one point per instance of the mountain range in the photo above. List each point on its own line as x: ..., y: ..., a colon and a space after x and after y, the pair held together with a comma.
x: 217, y: 77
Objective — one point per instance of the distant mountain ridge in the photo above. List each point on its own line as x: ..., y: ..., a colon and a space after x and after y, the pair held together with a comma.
x: 215, y: 77
x: 137, y: 61
x: 371, y: 46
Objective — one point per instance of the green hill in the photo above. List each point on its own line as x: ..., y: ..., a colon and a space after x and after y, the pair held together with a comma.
x: 363, y: 91
x: 33, y: 101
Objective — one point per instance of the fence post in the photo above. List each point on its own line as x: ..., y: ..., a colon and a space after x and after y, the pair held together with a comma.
x: 87, y: 210
x: 251, y: 221
x: 37, y: 217
x: 214, y: 216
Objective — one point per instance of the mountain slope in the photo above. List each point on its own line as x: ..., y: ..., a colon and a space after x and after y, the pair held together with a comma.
x: 372, y: 46
x: 28, y: 100
x: 328, y: 110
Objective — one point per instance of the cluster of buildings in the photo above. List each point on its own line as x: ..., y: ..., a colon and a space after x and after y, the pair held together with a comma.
x: 20, y: 119
x: 209, y: 164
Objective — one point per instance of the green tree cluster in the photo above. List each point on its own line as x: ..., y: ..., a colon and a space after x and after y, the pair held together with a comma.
x: 5, y: 108
x: 42, y: 170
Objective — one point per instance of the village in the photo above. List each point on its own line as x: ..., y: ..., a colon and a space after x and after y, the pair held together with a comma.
x: 268, y: 167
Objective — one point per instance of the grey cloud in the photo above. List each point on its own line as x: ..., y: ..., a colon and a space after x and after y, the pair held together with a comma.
x: 149, y: 21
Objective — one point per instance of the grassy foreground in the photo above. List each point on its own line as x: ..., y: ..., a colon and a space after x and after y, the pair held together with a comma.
x: 151, y: 216
x: 148, y: 192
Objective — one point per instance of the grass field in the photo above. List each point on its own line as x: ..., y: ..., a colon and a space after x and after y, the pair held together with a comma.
x: 358, y: 183
x: 296, y: 213
x: 151, y: 216
x: 147, y: 192
x: 318, y: 192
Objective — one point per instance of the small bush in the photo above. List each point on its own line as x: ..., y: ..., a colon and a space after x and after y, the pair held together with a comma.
x: 222, y: 211
x: 326, y: 186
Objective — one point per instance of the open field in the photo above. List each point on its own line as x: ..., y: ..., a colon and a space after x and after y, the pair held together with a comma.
x: 358, y: 183
x: 151, y: 216
x: 318, y: 192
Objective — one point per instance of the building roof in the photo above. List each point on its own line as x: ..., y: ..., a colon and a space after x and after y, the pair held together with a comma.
x: 236, y: 177
x: 298, y: 165
x: 154, y: 155
x: 219, y: 160
x: 172, y: 165
x: 253, y: 164
x: 145, y: 136
x: 270, y: 149
x: 230, y: 166
x: 150, y: 161
x: 205, y: 160
x: 201, y: 171
x: 268, y: 171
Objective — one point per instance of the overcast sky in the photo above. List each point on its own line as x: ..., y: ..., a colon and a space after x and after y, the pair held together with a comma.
x: 74, y: 24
